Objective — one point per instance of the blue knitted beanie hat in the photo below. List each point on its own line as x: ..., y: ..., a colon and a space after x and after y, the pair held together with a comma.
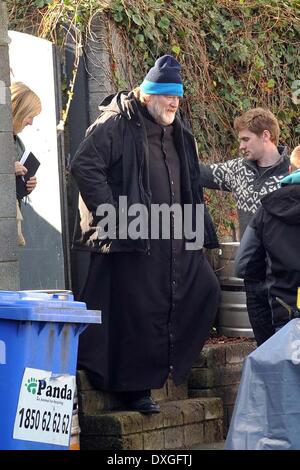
x: 164, y: 78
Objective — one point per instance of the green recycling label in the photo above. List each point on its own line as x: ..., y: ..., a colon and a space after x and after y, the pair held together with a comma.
x: 45, y: 406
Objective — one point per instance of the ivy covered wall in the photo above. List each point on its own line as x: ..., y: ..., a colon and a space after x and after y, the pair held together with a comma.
x: 236, y: 54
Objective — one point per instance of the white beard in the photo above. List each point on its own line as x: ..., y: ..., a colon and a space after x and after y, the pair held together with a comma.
x: 161, y: 117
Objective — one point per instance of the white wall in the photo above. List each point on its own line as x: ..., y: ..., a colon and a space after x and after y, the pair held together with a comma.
x: 31, y: 61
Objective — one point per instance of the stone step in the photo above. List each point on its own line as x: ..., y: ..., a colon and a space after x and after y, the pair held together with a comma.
x: 93, y: 401
x: 181, y: 424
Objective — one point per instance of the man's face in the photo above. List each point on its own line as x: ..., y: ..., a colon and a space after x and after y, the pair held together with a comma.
x: 163, y: 108
x: 252, y: 146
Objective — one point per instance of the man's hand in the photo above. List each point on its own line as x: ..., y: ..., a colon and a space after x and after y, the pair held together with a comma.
x: 20, y: 170
x: 31, y: 184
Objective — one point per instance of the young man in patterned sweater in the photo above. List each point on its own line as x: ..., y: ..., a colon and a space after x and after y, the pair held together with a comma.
x: 251, y: 176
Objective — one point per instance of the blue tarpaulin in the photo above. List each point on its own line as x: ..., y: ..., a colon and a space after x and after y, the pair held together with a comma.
x: 267, y: 409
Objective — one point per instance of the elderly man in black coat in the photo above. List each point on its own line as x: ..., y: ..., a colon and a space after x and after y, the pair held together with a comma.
x: 138, y: 175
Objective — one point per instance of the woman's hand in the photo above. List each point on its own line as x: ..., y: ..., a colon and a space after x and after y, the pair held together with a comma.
x: 31, y: 184
x: 20, y: 170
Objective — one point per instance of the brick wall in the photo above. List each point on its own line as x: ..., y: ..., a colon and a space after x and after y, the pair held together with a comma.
x: 217, y: 373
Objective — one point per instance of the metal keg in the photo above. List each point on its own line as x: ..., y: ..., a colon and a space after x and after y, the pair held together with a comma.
x: 233, y: 319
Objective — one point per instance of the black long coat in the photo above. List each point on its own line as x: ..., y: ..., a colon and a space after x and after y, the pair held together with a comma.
x: 158, y: 301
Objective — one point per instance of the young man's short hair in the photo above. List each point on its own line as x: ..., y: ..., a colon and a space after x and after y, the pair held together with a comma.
x: 257, y: 120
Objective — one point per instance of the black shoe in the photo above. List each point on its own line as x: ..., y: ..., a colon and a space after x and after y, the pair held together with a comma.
x: 145, y: 405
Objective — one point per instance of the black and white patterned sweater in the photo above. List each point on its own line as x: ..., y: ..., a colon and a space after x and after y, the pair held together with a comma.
x: 246, y: 181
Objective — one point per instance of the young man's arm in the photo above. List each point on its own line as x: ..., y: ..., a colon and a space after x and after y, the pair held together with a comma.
x: 217, y: 175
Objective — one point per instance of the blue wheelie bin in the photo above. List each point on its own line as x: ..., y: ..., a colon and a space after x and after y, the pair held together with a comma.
x: 38, y: 354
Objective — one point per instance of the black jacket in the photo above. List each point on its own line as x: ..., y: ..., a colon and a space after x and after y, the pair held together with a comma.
x: 113, y: 160
x: 269, y: 248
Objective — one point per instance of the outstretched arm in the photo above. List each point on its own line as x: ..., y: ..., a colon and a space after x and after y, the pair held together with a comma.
x: 216, y: 176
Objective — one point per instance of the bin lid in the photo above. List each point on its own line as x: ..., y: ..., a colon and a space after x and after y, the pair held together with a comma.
x: 42, y: 306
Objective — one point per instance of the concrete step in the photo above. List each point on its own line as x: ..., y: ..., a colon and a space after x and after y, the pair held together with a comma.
x: 181, y: 424
x: 93, y: 401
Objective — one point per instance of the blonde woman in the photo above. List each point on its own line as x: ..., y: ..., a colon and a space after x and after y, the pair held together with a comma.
x: 26, y: 105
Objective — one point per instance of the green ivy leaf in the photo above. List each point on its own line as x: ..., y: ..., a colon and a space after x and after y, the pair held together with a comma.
x: 151, y: 18
x: 117, y: 6
x: 164, y: 22
x: 246, y: 103
x: 216, y: 45
x: 231, y: 81
x: 295, y: 85
x: 40, y: 3
x: 243, y: 53
x: 149, y: 35
x: 137, y: 19
x: 181, y: 33
x: 271, y: 83
x: 259, y: 63
x: 140, y: 38
x: 228, y: 26
x: 176, y: 49
x: 118, y: 17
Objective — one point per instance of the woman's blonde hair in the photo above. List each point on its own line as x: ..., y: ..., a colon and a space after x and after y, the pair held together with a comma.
x: 24, y: 103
